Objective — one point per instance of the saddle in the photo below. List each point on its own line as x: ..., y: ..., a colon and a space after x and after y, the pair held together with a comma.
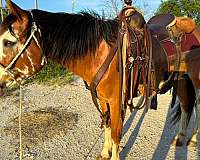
x: 172, y: 34
x: 168, y: 26
x: 158, y: 25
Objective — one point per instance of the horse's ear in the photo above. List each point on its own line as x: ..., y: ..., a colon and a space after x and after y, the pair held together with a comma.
x: 16, y: 10
x: 22, y: 19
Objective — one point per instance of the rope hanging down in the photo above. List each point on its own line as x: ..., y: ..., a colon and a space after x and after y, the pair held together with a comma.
x: 20, y: 125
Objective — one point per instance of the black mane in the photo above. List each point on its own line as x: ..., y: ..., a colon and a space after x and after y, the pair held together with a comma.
x: 68, y: 36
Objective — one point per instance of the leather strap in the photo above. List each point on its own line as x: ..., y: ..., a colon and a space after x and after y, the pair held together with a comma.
x: 99, y: 75
x: 149, y: 51
x: 136, y: 55
x: 178, y: 55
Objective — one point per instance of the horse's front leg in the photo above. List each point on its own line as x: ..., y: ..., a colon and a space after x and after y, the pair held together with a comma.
x: 113, y: 128
x: 116, y: 127
x: 107, y: 146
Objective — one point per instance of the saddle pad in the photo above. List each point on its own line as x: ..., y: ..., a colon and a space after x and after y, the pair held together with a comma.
x: 188, y: 43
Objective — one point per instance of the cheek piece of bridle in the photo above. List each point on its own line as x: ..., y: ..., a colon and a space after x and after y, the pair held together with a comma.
x: 8, y: 69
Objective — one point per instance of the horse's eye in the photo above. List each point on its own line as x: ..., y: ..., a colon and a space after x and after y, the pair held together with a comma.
x: 8, y: 43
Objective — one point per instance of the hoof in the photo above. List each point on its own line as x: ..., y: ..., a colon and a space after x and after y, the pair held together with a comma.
x: 191, y: 143
x: 101, y: 158
x: 177, y: 142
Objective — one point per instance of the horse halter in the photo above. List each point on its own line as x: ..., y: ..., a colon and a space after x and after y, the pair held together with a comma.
x: 8, y: 69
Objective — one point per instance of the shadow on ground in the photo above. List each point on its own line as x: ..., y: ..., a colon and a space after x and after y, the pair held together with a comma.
x: 129, y: 144
x: 164, y: 145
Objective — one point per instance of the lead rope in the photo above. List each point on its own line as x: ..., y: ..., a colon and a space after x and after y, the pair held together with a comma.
x: 91, y: 149
x: 20, y: 126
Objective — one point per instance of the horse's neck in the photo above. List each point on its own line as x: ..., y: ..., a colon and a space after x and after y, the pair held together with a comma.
x: 88, y: 66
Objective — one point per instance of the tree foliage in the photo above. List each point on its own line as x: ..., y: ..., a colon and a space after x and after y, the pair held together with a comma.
x: 111, y: 8
x: 189, y: 8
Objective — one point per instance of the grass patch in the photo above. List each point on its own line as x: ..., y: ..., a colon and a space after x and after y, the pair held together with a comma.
x: 52, y: 74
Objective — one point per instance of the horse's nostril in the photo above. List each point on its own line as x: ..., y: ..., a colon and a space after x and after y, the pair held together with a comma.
x: 2, y: 86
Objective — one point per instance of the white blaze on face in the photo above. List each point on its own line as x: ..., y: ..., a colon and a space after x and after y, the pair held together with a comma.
x: 8, y: 37
x: 2, y: 73
x: 10, y: 46
x: 5, y: 51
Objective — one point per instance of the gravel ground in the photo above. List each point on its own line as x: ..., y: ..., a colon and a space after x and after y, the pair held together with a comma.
x: 61, y: 123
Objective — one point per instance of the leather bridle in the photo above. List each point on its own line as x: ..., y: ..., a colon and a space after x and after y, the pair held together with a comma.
x: 8, y: 69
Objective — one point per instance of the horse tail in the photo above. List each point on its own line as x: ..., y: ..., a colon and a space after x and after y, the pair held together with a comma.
x: 192, y: 100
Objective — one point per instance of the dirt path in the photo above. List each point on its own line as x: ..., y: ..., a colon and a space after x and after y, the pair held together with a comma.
x: 61, y: 123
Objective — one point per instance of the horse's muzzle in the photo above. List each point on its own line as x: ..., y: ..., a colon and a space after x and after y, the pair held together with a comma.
x: 2, y: 87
